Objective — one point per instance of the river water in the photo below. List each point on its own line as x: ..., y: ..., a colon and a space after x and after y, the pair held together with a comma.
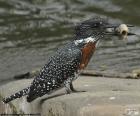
x: 31, y: 30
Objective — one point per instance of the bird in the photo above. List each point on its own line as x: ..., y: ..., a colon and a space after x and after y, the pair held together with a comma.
x: 65, y: 65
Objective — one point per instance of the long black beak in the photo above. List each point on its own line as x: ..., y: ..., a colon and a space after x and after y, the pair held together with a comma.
x: 116, y: 25
x: 116, y: 34
x: 130, y: 34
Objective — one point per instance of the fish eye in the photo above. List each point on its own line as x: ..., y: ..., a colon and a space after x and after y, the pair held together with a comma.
x: 124, y: 32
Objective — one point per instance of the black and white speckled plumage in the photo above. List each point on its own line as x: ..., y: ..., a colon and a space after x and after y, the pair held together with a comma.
x: 63, y: 65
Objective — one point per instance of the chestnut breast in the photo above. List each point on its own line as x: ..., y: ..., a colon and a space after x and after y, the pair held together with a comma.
x: 87, y: 52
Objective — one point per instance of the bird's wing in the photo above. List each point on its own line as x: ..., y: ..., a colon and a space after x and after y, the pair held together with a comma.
x: 61, y: 66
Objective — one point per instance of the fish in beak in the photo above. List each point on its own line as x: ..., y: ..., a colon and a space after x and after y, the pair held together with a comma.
x: 122, y: 30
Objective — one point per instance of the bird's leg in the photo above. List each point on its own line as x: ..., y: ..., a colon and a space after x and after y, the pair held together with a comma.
x: 73, y: 89
x: 71, y: 85
x: 67, y: 86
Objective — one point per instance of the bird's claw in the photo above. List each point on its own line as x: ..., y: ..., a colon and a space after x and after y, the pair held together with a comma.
x: 76, y: 91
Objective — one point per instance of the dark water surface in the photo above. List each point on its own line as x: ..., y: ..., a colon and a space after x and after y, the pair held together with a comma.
x: 31, y: 30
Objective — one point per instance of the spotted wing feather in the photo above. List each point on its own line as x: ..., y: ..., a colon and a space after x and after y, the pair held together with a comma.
x: 60, y: 67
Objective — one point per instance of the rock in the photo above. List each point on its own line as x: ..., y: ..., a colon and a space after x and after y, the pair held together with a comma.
x: 28, y: 75
x: 10, y: 88
x: 6, y: 108
x: 104, y: 97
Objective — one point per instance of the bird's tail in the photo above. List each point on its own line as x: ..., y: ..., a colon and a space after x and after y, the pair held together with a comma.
x: 19, y: 94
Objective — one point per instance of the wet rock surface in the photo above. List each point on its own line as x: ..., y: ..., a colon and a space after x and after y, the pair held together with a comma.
x: 103, y: 97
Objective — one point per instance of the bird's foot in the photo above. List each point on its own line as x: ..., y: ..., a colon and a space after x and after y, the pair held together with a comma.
x: 73, y: 91
x: 76, y: 91
x: 70, y: 89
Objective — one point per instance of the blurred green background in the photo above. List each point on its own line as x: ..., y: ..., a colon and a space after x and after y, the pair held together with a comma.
x: 31, y: 30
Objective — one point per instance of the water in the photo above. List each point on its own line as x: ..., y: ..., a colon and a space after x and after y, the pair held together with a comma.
x: 30, y: 31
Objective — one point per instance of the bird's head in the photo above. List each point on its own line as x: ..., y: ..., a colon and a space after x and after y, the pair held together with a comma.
x: 98, y: 28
